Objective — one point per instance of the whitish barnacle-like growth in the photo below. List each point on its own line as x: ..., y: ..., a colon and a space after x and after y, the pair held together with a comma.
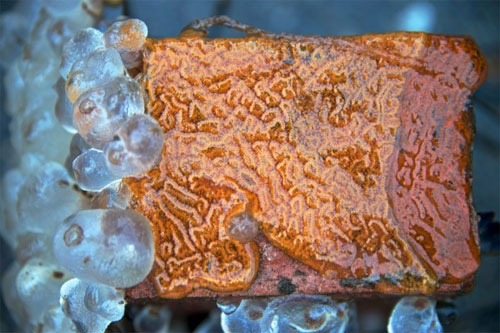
x: 415, y: 314
x: 91, y: 306
x: 109, y: 246
x: 295, y: 313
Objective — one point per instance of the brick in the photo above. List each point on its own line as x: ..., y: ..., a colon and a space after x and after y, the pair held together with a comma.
x: 352, y: 153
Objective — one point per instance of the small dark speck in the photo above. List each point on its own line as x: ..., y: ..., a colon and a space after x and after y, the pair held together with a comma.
x: 285, y: 286
x: 299, y: 273
x: 86, y: 260
x: 58, y: 275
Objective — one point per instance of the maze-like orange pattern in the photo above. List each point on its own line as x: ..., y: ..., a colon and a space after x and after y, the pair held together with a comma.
x: 352, y: 153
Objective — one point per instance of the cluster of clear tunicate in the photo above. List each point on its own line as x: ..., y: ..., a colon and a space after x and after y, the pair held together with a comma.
x: 415, y: 314
x: 91, y: 306
x: 294, y: 313
x: 108, y: 109
x: 110, y: 246
x: 69, y: 90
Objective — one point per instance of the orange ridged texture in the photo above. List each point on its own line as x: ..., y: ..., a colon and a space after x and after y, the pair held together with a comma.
x: 353, y: 154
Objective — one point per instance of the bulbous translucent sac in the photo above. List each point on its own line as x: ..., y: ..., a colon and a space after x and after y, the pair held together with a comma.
x: 152, y: 318
x: 77, y: 147
x: 138, y: 147
x: 46, y: 199
x: 127, y: 37
x: 295, y: 313
x: 78, y: 47
x: 243, y: 227
x: 110, y: 246
x: 11, y: 184
x: 38, y: 283
x: 37, y: 129
x: 31, y: 245
x: 100, y: 112
x: 10, y: 296
x: 112, y: 197
x: 15, y: 28
x: 91, y: 306
x: 64, y: 108
x: 91, y: 171
x: 97, y: 69
x: 54, y: 320
x: 414, y: 314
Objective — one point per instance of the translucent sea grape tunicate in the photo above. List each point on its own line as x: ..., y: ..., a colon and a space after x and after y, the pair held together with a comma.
x: 110, y: 246
x: 64, y: 108
x: 77, y: 147
x: 91, y: 171
x: 127, y: 37
x: 100, y: 112
x: 243, y: 227
x: 79, y: 46
x: 91, y: 306
x: 415, y: 314
x: 137, y: 148
x: 98, y: 68
x: 295, y: 313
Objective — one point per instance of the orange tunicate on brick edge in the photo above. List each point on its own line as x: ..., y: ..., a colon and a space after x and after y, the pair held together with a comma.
x: 352, y: 153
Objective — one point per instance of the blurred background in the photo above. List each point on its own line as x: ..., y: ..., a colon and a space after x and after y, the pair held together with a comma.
x: 475, y: 312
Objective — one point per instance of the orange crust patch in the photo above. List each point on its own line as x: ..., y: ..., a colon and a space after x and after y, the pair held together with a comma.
x: 353, y: 153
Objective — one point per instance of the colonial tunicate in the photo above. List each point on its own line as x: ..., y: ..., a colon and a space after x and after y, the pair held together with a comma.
x: 137, y: 148
x: 415, y: 314
x: 111, y: 197
x: 46, y: 199
x: 91, y: 306
x: 79, y: 46
x: 96, y: 69
x: 77, y: 147
x: 33, y: 244
x: 295, y: 313
x: 64, y: 108
x: 37, y: 285
x: 127, y: 37
x: 110, y: 246
x: 91, y: 171
x: 100, y: 112
x: 152, y: 318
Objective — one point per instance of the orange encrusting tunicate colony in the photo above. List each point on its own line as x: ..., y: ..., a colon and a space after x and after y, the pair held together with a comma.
x: 352, y: 153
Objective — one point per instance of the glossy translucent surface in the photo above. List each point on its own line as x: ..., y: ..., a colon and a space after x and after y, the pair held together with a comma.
x: 91, y: 171
x: 110, y: 246
x: 415, y: 314
x: 91, y: 306
x: 79, y: 46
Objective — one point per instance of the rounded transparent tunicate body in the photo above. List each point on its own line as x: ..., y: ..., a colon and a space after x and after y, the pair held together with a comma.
x: 295, y: 313
x: 110, y: 246
x: 64, y: 108
x: 152, y: 318
x: 127, y: 37
x: 137, y: 148
x: 415, y: 314
x: 37, y: 284
x: 91, y: 306
x: 100, y: 112
x: 243, y: 227
x: 33, y: 244
x: 91, y: 171
x: 46, y: 199
x: 97, y: 69
x: 77, y: 147
x: 79, y: 46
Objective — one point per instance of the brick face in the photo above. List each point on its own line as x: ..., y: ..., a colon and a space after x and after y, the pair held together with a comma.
x: 352, y: 154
